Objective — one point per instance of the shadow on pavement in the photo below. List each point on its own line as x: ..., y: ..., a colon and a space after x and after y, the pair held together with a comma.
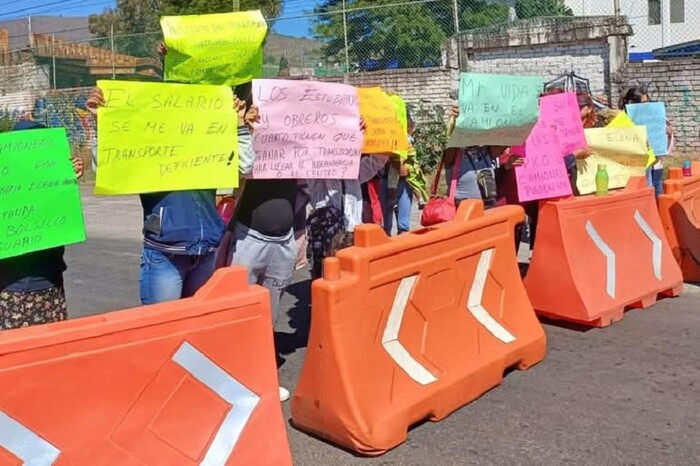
x: 299, y: 321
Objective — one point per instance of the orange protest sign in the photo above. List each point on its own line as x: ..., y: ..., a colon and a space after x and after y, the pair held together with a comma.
x: 384, y: 131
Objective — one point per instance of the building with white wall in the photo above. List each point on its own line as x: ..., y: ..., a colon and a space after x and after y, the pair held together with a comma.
x: 656, y: 23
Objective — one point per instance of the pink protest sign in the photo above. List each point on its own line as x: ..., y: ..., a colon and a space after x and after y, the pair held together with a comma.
x: 308, y: 130
x: 543, y: 175
x: 561, y: 110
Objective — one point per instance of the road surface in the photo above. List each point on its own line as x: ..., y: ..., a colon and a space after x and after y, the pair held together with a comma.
x: 624, y: 395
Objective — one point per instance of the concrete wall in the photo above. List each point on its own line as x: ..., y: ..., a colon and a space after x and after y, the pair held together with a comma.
x: 23, y: 78
x: 677, y: 83
x: 594, y: 48
x: 590, y: 59
x: 419, y: 86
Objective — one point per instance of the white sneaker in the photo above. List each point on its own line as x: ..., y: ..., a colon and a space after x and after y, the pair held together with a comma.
x: 284, y: 394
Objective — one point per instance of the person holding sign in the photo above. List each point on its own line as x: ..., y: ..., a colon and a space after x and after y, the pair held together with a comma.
x: 31, y: 284
x: 182, y: 231
x: 634, y: 97
x: 477, y: 167
x: 401, y: 179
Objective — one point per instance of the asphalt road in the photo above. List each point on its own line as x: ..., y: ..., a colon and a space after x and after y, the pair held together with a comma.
x: 624, y: 395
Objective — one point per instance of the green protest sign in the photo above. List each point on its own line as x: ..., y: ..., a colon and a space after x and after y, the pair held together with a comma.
x: 39, y: 197
x: 496, y: 109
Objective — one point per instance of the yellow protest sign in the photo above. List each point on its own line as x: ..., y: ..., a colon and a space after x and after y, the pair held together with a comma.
x: 155, y: 137
x: 622, y: 150
x: 384, y: 132
x: 402, y: 113
x: 622, y: 120
x: 221, y: 48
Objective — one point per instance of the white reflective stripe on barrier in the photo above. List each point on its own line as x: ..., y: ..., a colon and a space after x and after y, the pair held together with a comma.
x: 610, y: 277
x: 390, y: 338
x: 31, y: 449
x: 476, y: 296
x: 655, y: 240
x: 243, y: 401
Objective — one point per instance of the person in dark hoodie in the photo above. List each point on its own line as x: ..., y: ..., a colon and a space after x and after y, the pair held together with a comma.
x: 31, y: 285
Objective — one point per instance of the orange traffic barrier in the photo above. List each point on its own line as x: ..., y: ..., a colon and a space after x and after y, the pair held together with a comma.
x: 594, y: 257
x: 679, y: 208
x: 414, y: 327
x: 183, y: 383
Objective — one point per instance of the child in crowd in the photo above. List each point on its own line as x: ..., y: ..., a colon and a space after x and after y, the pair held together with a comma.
x: 402, y: 179
x: 182, y: 229
x: 31, y: 285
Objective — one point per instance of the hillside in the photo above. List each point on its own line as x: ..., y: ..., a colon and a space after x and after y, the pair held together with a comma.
x: 300, y: 52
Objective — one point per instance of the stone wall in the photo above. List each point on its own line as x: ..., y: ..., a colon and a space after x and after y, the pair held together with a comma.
x: 588, y: 59
x: 675, y: 82
x: 419, y: 87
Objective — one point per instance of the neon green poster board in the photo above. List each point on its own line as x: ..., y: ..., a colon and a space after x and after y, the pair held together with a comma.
x: 155, y: 137
x: 39, y: 198
x: 223, y: 49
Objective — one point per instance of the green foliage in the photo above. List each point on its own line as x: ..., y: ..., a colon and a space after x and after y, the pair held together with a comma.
x: 533, y: 8
x: 430, y: 135
x: 412, y: 33
x: 408, y: 33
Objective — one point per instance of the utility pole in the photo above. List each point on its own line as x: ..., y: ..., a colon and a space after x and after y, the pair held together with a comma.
x: 455, y: 14
x: 236, y: 5
x: 616, y: 6
x: 29, y: 31
x: 53, y: 58
x: 111, y: 46
x: 345, y: 33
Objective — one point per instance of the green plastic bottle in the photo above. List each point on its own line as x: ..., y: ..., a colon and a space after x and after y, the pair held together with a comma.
x: 601, y: 181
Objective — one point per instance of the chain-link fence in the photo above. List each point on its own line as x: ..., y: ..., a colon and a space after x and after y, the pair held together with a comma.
x: 45, y: 69
x: 333, y: 37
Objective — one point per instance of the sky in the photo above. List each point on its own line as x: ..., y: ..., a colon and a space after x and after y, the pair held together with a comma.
x: 9, y: 9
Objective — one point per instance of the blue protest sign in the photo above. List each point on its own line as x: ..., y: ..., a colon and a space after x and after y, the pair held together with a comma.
x: 653, y: 116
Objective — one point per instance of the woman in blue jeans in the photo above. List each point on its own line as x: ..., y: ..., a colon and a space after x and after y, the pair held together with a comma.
x: 396, y: 202
x: 181, y: 230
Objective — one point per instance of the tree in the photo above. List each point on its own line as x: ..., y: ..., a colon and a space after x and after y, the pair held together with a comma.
x: 406, y: 35
x: 533, y: 8
x: 135, y: 23
x: 382, y: 34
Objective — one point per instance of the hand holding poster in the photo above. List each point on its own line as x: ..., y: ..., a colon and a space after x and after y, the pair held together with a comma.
x: 543, y: 175
x: 495, y: 109
x: 384, y: 133
x: 622, y: 120
x: 653, y: 116
x: 622, y: 150
x: 562, y: 112
x: 402, y: 113
x: 221, y: 49
x: 308, y: 130
x: 155, y: 137
x: 39, y: 198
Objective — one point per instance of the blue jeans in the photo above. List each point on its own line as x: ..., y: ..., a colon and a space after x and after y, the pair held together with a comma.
x: 403, y: 211
x: 167, y: 277
x: 655, y: 179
